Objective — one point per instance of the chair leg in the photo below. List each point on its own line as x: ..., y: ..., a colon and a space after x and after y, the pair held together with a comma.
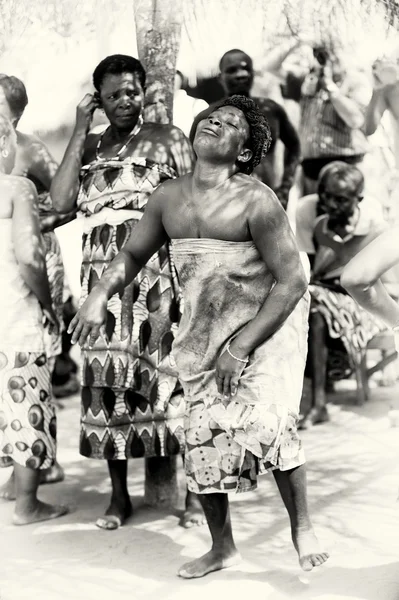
x: 362, y: 381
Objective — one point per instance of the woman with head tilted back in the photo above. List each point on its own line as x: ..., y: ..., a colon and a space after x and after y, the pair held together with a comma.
x: 130, y: 408
x: 27, y: 418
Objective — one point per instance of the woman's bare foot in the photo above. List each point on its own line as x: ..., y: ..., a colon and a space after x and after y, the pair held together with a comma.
x: 315, y: 416
x: 52, y: 475
x: 193, y: 515
x: 211, y: 561
x: 307, y: 546
x: 115, y: 515
x: 7, y: 490
x: 39, y: 512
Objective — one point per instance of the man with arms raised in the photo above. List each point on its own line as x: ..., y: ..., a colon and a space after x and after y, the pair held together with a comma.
x: 241, y: 345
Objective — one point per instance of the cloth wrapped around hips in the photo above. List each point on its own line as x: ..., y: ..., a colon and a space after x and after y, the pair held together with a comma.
x: 229, y: 441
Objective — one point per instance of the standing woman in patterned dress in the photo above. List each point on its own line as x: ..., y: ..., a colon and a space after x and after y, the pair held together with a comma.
x: 131, y: 406
x: 27, y: 417
x: 34, y: 162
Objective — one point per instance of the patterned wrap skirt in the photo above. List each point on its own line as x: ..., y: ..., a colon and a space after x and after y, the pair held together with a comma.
x: 229, y: 442
x: 350, y: 329
x: 132, y: 405
x: 27, y: 416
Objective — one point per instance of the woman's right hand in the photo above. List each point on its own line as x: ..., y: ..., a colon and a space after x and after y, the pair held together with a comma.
x: 85, y: 110
x: 90, y: 318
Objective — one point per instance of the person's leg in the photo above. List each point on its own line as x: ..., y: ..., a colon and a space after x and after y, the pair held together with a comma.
x: 223, y: 552
x: 120, y: 507
x: 55, y: 473
x: 292, y: 488
x: 52, y: 475
x: 193, y: 514
x: 318, y: 355
x: 28, y: 508
x: 65, y: 381
x: 7, y: 490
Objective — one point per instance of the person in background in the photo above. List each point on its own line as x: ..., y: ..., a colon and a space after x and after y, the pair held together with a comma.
x: 132, y: 405
x: 332, y: 227
x: 333, y: 101
x: 236, y: 76
x: 185, y: 107
x: 34, y: 162
x: 27, y: 416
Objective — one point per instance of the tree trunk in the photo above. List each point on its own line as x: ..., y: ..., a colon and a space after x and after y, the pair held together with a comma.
x: 158, y: 30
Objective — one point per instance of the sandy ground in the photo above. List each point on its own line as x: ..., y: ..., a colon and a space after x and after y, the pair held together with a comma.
x: 353, y: 483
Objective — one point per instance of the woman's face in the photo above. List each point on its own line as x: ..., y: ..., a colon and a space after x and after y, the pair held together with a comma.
x: 122, y: 99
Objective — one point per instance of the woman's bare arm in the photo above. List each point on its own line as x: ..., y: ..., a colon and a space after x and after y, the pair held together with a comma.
x: 147, y: 237
x: 65, y: 184
x: 43, y: 168
x: 361, y: 276
x: 272, y: 235
x: 27, y: 240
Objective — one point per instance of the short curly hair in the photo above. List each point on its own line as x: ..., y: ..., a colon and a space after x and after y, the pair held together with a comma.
x: 259, y: 130
x: 15, y: 93
x: 116, y: 64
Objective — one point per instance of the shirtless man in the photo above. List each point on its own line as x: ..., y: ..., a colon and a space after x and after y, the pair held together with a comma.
x: 241, y: 347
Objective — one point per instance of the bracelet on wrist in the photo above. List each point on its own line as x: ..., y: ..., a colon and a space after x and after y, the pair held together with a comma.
x: 241, y: 360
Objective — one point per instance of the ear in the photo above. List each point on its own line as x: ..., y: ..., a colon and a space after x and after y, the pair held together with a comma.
x: 245, y: 155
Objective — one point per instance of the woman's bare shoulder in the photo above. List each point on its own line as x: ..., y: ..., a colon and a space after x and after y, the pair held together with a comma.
x: 18, y: 187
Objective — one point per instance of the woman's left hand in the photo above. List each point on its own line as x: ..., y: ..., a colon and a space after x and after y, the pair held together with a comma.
x: 228, y: 373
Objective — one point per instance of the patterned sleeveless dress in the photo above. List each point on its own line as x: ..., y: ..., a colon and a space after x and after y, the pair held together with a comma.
x: 131, y: 402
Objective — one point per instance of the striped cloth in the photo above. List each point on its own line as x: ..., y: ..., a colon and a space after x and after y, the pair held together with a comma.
x: 322, y: 131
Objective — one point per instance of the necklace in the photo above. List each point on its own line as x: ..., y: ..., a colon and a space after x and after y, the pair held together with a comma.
x: 135, y: 131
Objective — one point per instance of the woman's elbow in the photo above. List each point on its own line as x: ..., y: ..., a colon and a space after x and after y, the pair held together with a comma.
x: 356, y: 279
x: 301, y: 284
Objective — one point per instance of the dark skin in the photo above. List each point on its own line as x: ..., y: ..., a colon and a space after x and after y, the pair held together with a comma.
x: 19, y: 204
x: 35, y: 162
x: 340, y: 201
x: 237, y: 76
x: 218, y: 202
x: 121, y: 97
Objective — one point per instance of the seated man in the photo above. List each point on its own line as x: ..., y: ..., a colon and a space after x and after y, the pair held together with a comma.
x: 237, y: 76
x: 332, y: 226
x: 241, y: 345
